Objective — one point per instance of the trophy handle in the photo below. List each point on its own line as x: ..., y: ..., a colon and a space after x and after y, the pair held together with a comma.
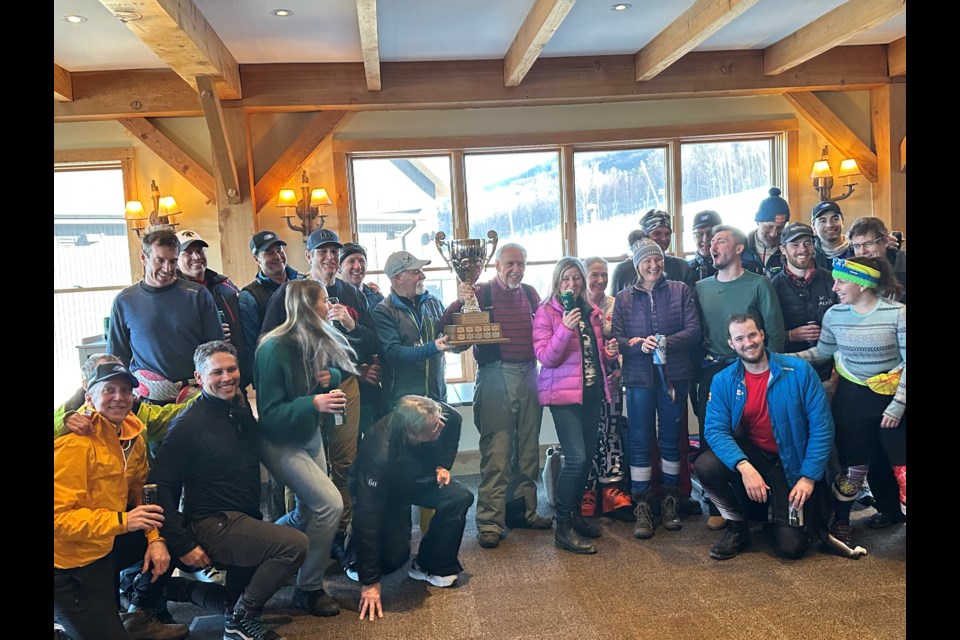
x: 438, y: 239
x: 492, y: 243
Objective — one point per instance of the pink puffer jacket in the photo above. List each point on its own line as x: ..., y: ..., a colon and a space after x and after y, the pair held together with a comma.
x: 558, y: 350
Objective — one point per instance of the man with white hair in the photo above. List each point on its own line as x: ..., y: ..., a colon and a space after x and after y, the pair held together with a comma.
x: 505, y: 405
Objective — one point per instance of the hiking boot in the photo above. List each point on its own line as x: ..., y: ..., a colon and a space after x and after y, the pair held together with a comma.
x: 143, y: 625
x: 588, y: 504
x: 417, y: 573
x: 566, y: 537
x: 612, y: 497
x: 715, y: 523
x: 735, y: 539
x: 644, y: 526
x: 838, y: 540
x: 586, y: 528
x: 488, y: 539
x: 670, y: 510
x: 884, y: 519
x: 316, y: 602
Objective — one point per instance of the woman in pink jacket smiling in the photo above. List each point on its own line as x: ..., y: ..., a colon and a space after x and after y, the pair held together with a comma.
x: 573, y: 383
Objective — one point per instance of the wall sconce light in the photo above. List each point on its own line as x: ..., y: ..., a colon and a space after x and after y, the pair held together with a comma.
x: 307, y: 208
x: 164, y: 208
x: 822, y: 176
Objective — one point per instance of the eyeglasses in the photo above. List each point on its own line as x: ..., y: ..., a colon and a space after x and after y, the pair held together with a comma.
x: 869, y: 244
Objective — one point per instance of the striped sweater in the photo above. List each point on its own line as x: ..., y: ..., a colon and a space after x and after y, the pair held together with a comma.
x: 865, y: 345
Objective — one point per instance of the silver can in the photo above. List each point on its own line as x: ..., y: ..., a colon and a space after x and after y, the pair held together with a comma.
x: 660, y: 353
x: 795, y: 517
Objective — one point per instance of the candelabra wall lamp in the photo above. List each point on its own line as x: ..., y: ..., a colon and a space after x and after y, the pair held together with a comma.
x: 307, y: 208
x: 164, y: 208
x: 822, y: 176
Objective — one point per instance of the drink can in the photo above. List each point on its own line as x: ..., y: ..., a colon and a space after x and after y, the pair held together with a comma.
x: 796, y: 517
x: 337, y: 417
x: 149, y: 494
x: 223, y: 316
x: 660, y: 353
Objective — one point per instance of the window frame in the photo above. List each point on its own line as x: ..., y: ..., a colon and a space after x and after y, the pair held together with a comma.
x: 783, y: 133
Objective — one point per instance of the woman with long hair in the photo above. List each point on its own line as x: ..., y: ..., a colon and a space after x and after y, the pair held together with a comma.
x: 299, y: 366
x: 866, y: 335
x: 568, y: 342
x: 656, y: 385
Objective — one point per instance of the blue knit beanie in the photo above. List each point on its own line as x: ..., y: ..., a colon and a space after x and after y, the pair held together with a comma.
x: 773, y: 209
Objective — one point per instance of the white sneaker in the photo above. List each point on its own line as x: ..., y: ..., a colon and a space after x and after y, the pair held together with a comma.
x: 209, y: 574
x: 417, y: 573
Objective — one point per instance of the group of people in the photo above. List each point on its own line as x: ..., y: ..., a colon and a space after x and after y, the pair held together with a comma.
x: 351, y: 413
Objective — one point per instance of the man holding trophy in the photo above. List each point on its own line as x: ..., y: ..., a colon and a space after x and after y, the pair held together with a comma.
x: 497, y: 319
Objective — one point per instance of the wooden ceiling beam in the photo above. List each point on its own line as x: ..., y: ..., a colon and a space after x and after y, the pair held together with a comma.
x: 172, y: 154
x: 294, y: 156
x: 897, y: 57
x: 142, y: 93
x: 369, y: 42
x: 178, y: 33
x: 62, y: 84
x: 471, y: 84
x: 219, y: 140
x: 831, y: 127
x: 684, y: 34
x: 828, y: 31
x: 542, y: 21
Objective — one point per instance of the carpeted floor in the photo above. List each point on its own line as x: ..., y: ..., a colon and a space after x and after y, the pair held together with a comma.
x: 666, y: 588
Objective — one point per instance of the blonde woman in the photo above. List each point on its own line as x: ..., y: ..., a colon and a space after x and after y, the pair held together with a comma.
x: 299, y: 367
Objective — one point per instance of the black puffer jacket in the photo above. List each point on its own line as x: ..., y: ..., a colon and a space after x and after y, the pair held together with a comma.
x: 383, y: 478
x: 802, y: 303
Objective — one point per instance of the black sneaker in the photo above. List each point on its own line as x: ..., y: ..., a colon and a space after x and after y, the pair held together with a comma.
x: 246, y: 629
x: 735, y: 539
x: 316, y: 602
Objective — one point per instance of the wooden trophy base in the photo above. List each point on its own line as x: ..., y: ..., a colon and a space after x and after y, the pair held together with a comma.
x: 473, y: 328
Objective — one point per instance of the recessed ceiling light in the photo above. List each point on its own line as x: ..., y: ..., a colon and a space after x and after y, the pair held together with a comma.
x: 620, y: 6
x: 72, y: 19
x: 282, y: 13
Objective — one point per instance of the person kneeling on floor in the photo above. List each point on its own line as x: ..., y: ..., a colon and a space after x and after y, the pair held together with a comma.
x: 767, y: 419
x: 403, y: 460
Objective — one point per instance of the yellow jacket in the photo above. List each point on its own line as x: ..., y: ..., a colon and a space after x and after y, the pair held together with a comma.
x: 94, y: 484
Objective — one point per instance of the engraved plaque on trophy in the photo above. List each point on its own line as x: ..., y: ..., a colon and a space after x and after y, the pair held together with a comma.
x: 468, y: 258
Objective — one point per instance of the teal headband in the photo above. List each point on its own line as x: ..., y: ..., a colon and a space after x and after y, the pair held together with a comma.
x: 856, y: 273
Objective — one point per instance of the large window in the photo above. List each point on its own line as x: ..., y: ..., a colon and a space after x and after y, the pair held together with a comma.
x: 730, y: 178
x: 91, y: 261
x: 613, y: 190
x: 582, y: 199
x: 518, y: 196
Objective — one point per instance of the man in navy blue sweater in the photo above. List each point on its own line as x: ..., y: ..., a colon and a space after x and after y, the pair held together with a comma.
x: 156, y: 324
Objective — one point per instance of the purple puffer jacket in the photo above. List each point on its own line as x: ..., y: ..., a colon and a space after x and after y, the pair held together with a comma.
x: 558, y: 350
x: 670, y: 310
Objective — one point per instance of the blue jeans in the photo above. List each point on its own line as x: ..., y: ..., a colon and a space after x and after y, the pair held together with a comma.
x: 319, y: 505
x: 649, y: 411
x: 577, y: 430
